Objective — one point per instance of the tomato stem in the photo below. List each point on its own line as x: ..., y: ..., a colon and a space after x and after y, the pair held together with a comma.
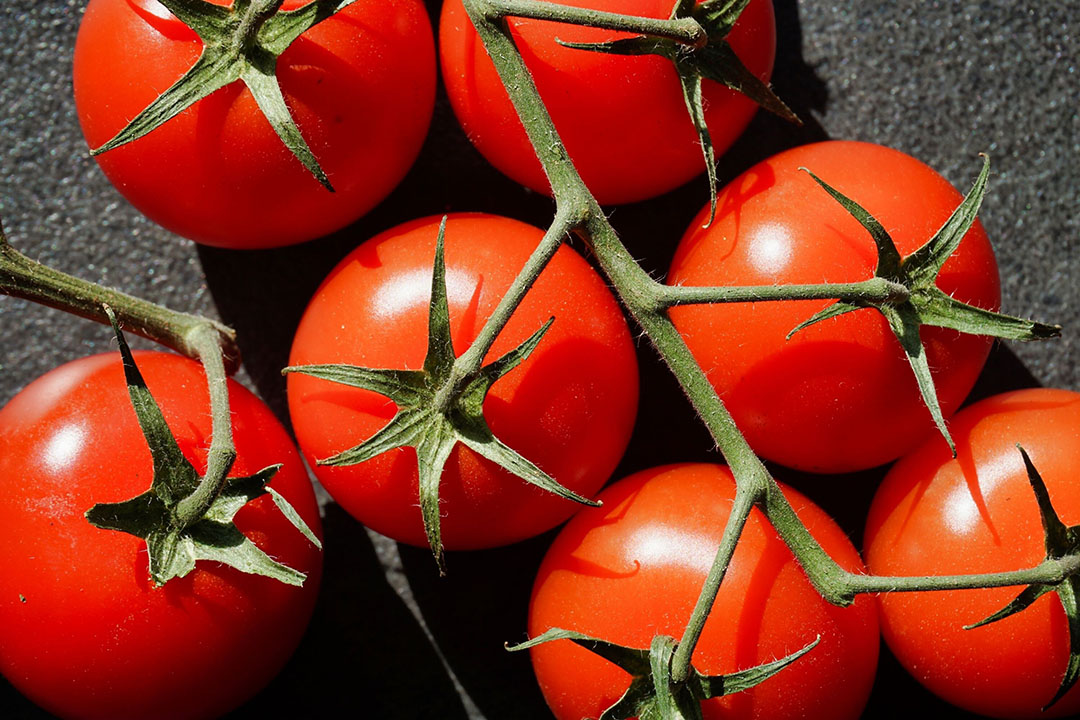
x: 648, y: 303
x: 209, y: 342
x: 740, y: 512
x: 1049, y: 572
x: 222, y: 453
x: 685, y: 30
x: 873, y: 290
x: 631, y: 282
x: 472, y: 359
x: 251, y: 16
x: 636, y: 289
x: 239, y: 42
x: 24, y: 278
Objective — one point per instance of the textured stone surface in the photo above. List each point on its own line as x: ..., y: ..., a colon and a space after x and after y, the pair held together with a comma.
x: 940, y: 80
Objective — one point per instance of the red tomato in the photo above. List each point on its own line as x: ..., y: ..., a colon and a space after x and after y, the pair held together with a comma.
x: 83, y: 631
x: 360, y: 86
x: 935, y: 515
x: 634, y: 568
x: 623, y: 119
x: 569, y: 407
x: 840, y: 395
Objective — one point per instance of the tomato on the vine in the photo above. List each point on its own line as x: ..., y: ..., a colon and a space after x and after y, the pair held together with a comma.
x: 840, y: 395
x: 84, y: 632
x: 634, y: 568
x: 622, y: 118
x: 977, y: 513
x: 360, y: 86
x: 569, y: 407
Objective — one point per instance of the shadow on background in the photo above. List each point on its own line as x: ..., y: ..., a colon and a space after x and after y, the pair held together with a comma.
x: 364, y: 654
x: 481, y: 604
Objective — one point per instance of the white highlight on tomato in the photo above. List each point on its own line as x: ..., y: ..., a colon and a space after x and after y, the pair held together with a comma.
x: 967, y: 501
x: 770, y: 251
x: 657, y: 544
x: 63, y: 447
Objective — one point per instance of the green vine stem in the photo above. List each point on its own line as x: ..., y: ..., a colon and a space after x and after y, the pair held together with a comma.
x: 211, y: 343
x: 1048, y: 572
x: 873, y: 290
x: 648, y: 301
x: 740, y: 512
x: 24, y: 278
x: 471, y: 360
x: 683, y: 30
x: 638, y: 291
x: 222, y: 452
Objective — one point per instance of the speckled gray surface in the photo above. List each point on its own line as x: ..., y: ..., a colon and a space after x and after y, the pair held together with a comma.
x: 940, y: 80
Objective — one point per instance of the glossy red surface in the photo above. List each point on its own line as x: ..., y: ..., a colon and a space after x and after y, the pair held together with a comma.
x: 569, y: 407
x: 634, y: 568
x: 83, y: 630
x: 840, y: 395
x: 936, y: 515
x: 622, y: 118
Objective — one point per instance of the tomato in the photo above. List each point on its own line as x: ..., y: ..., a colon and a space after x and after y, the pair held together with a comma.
x: 83, y: 630
x: 840, y: 395
x: 935, y: 515
x: 634, y: 568
x: 360, y: 86
x: 569, y: 407
x: 622, y: 118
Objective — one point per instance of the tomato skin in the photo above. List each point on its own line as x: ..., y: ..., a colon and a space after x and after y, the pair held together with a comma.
x: 569, y: 407
x: 838, y: 396
x: 360, y: 86
x: 83, y: 631
x: 623, y: 119
x: 635, y: 567
x: 979, y: 515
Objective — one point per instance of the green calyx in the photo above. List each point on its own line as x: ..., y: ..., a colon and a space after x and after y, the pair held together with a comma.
x: 240, y: 42
x: 175, y: 542
x: 925, y: 303
x: 712, y: 60
x: 653, y: 694
x: 438, y: 407
x: 1061, y: 541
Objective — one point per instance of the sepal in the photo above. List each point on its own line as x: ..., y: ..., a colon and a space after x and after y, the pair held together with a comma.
x: 1060, y: 541
x: 715, y: 60
x: 718, y: 16
x: 437, y: 411
x: 240, y: 42
x: 830, y: 311
x: 653, y: 693
x: 401, y: 386
x: 926, y: 262
x: 260, y: 77
x: 888, y: 257
x: 205, y: 18
x: 941, y: 310
x: 174, y: 546
x: 925, y: 303
x: 905, y: 322
x: 286, y: 26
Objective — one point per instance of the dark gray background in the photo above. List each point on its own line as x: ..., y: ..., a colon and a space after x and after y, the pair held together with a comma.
x: 942, y: 81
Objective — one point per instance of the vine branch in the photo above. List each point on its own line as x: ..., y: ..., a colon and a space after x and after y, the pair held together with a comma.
x: 648, y: 302
x: 185, y: 333
x: 872, y: 290
x: 685, y: 30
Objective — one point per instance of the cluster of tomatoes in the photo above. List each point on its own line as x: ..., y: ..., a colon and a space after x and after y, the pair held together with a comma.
x: 837, y: 397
